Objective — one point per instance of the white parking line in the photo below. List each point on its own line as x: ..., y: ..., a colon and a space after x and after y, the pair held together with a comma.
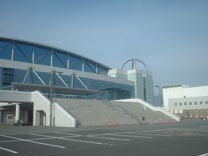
x: 159, y: 130
x: 8, y: 150
x: 35, y: 142
x: 69, y: 134
x: 206, y: 154
x: 5, y: 141
x: 85, y: 141
x: 108, y: 138
x: 151, y: 134
x: 204, y: 126
x: 9, y: 141
x: 133, y: 136
x: 67, y: 139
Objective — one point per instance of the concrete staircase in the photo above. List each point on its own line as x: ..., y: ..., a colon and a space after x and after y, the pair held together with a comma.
x: 96, y: 112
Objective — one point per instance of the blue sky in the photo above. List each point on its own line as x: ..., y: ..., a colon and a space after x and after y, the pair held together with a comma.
x: 170, y: 36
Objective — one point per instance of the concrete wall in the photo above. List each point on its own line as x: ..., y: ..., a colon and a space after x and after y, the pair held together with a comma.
x: 60, y: 117
x: 14, y: 96
x: 40, y: 104
x: 63, y: 118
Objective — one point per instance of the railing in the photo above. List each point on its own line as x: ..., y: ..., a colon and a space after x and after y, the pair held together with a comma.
x: 145, y: 104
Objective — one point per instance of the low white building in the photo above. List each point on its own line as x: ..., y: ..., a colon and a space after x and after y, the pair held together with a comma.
x: 186, y: 101
x: 32, y: 108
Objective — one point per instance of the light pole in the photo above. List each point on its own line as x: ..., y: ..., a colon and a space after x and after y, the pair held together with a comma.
x: 160, y: 94
x: 52, y: 108
x: 51, y: 97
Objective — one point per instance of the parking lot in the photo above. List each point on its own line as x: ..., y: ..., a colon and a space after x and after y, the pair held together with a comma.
x: 182, y: 139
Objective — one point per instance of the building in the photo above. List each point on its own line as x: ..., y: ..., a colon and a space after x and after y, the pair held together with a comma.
x: 29, y: 66
x: 142, y: 78
x: 186, y: 101
x: 30, y: 70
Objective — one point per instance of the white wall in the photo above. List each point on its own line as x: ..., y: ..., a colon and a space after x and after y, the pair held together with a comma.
x: 197, y: 103
x: 172, y: 92
x: 183, y: 92
x: 40, y: 103
x: 63, y: 118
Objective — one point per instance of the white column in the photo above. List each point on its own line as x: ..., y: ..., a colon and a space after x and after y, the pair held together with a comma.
x: 51, y: 58
x: 68, y: 61
x: 83, y: 65
x: 33, y: 54
x: 96, y: 69
x: 12, y: 51
x: 17, y: 113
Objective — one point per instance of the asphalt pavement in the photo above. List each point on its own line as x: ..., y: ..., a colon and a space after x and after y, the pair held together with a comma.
x: 187, y: 138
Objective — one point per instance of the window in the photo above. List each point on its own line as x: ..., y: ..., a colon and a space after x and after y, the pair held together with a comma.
x: 195, y: 103
x: 206, y: 102
x: 42, y: 56
x: 180, y: 104
x: 201, y: 102
x: 60, y: 59
x: 10, y: 117
x: 89, y: 67
x: 185, y: 103
x: 75, y: 63
x: 176, y: 104
x: 5, y: 50
x: 7, y: 77
x: 23, y: 52
x: 190, y: 103
x: 101, y: 70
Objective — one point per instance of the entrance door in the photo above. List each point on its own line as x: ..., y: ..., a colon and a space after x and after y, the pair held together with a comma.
x: 40, y: 118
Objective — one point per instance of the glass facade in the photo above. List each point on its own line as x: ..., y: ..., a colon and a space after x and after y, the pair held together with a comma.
x: 60, y: 59
x: 5, y: 50
x: 75, y: 63
x: 89, y: 67
x: 23, y: 52
x: 42, y: 56
x: 143, y: 84
x: 38, y: 54
x: 107, y: 90
x: 30, y: 53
